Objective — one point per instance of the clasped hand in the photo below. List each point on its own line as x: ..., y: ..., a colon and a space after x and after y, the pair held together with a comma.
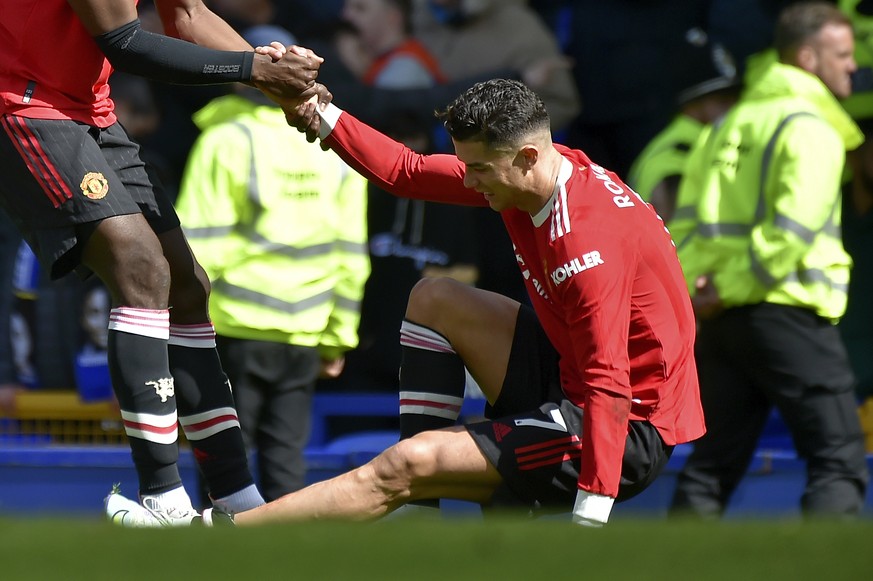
x: 300, y: 109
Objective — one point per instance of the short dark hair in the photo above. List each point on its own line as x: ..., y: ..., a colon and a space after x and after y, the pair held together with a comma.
x: 497, y: 112
x: 800, y: 22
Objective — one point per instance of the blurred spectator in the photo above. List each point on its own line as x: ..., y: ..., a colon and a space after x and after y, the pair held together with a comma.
x: 394, y: 59
x: 280, y: 228
x: 711, y: 88
x: 471, y: 37
x: 343, y: 69
x: 769, y: 275
x: 91, y: 364
x: 42, y: 325
x: 26, y: 283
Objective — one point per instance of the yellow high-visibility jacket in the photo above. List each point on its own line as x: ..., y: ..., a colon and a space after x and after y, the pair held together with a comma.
x: 766, y: 207
x: 280, y: 227
x: 664, y: 156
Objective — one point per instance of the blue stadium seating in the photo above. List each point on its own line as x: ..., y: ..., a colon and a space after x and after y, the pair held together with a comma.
x: 41, y: 477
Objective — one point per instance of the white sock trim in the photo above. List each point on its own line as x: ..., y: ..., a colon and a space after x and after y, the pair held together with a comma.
x: 418, y: 337
x: 145, y: 322
x: 431, y: 404
x: 200, y: 336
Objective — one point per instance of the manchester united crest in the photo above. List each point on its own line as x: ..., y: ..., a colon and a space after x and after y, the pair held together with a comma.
x: 94, y: 185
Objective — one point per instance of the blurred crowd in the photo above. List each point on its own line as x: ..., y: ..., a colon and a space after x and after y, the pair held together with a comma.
x: 613, y: 76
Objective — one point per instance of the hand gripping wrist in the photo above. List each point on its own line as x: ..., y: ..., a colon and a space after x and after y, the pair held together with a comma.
x: 591, y: 510
x: 329, y: 118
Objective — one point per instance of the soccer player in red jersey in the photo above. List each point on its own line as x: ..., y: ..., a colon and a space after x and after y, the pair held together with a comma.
x: 74, y: 184
x: 589, y: 390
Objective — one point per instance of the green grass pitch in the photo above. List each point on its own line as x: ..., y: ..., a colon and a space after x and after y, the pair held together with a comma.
x: 448, y: 549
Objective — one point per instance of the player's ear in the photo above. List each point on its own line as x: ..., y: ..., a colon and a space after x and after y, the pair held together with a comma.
x: 528, y: 156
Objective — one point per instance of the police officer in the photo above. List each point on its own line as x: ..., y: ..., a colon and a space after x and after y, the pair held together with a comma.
x: 710, y: 86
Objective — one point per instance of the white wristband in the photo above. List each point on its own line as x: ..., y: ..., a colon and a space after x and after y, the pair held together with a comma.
x: 329, y: 118
x: 591, y: 509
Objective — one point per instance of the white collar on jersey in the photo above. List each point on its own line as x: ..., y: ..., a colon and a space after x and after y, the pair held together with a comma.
x: 560, y: 184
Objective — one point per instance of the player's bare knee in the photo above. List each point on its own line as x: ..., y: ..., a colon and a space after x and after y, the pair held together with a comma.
x: 404, y: 463
x: 147, y: 281
x: 388, y: 474
x: 429, y: 298
x: 418, y: 457
x: 189, y: 296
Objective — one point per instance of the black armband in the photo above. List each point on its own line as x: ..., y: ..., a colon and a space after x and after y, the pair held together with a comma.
x: 162, y: 58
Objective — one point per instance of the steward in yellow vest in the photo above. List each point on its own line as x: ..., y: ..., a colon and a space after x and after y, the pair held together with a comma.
x: 768, y: 208
x: 763, y: 257
x: 280, y: 228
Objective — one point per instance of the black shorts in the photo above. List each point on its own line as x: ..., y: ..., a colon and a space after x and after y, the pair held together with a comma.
x: 534, y: 435
x: 60, y: 178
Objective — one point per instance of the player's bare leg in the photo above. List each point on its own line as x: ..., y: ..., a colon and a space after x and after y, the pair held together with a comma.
x: 126, y: 255
x: 478, y: 324
x: 436, y: 464
x: 450, y: 326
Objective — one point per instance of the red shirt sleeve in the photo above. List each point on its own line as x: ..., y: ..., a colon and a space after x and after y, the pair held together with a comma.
x: 597, y: 306
x: 397, y: 169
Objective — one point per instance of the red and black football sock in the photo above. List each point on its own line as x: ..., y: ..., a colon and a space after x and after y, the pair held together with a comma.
x: 144, y: 387
x: 432, y: 381
x: 207, y: 412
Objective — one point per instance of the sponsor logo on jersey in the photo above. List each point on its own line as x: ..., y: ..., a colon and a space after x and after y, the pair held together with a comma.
x: 575, y: 266
x: 94, y: 185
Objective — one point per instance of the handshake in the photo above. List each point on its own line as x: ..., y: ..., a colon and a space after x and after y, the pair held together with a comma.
x: 302, y: 98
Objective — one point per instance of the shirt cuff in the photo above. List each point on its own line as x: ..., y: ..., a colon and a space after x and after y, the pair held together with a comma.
x: 592, y: 509
x: 329, y: 118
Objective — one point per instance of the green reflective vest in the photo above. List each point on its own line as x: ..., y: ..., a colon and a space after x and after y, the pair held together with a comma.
x: 664, y: 156
x: 280, y: 227
x: 766, y: 200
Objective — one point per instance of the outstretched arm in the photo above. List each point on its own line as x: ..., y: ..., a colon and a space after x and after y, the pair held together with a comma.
x: 387, y: 163
x: 220, y: 55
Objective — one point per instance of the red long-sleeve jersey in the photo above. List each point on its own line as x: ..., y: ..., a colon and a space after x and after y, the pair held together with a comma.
x: 602, y: 274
